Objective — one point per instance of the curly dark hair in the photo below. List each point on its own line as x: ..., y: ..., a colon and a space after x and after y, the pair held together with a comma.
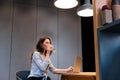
x: 39, y: 46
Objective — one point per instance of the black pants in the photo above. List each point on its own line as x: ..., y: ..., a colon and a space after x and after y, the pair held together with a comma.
x: 37, y: 78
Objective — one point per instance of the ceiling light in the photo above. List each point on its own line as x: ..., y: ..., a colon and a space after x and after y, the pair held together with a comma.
x: 66, y: 4
x: 85, y: 10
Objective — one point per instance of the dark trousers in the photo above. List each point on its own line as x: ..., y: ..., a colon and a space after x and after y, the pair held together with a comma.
x: 37, y: 78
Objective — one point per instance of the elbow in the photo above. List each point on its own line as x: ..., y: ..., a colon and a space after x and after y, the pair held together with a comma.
x: 55, y: 71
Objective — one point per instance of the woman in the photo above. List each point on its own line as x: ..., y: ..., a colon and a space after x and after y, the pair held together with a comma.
x: 41, y: 63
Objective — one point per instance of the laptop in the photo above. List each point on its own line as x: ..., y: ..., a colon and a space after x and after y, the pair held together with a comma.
x: 77, y: 64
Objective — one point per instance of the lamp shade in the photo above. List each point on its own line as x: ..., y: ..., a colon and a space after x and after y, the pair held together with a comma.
x: 85, y: 10
x: 66, y: 4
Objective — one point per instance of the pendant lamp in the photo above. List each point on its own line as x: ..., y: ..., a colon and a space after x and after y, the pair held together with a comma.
x: 65, y: 4
x: 85, y: 10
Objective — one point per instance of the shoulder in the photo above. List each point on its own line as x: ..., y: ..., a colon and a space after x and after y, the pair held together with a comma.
x: 36, y: 56
x: 36, y: 53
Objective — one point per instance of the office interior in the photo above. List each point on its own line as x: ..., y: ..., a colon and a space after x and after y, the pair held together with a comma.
x: 23, y: 22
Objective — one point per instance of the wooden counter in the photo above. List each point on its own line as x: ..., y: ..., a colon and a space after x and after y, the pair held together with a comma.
x: 78, y: 76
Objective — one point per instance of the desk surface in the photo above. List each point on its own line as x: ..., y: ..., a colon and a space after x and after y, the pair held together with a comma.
x: 78, y: 76
x: 81, y: 73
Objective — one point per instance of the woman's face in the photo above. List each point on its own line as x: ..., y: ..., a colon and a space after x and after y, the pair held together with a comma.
x: 46, y: 42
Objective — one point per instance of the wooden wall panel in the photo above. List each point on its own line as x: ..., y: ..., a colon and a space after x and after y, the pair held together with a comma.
x: 23, y: 37
x: 5, y: 40
x: 97, y: 4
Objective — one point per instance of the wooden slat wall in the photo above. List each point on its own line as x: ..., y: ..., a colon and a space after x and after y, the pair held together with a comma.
x: 97, y: 22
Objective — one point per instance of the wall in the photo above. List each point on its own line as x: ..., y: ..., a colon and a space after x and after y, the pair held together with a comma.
x: 21, y: 25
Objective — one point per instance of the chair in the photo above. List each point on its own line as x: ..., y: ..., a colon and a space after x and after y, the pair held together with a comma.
x: 22, y: 75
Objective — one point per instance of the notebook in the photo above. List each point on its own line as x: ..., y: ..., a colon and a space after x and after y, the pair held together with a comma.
x: 77, y: 64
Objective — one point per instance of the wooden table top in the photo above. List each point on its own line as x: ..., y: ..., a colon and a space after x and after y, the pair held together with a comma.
x: 80, y: 73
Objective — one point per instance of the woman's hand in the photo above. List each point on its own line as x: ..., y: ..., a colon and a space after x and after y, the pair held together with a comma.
x: 70, y: 69
x: 49, y: 47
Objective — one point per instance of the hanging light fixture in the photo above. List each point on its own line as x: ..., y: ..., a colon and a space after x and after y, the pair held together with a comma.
x: 86, y: 10
x: 65, y: 4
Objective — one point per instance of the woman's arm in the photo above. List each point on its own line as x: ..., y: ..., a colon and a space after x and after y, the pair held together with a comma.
x: 57, y: 71
x: 37, y: 59
x: 69, y: 69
